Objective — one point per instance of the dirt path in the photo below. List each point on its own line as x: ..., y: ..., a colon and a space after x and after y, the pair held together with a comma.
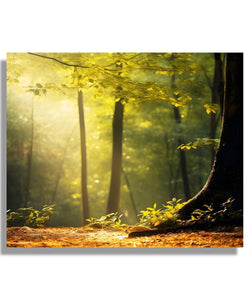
x: 79, y: 237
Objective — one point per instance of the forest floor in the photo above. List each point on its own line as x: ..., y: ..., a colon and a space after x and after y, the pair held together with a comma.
x: 90, y: 237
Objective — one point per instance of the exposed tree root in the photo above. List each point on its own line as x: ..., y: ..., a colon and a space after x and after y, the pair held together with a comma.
x: 227, y: 224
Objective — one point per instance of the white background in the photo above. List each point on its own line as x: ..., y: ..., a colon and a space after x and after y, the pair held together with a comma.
x: 88, y: 26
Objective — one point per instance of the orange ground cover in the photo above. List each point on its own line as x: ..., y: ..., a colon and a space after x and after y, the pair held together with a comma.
x: 89, y: 237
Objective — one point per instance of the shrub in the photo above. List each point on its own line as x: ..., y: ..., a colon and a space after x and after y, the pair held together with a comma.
x: 112, y: 221
x: 168, y: 214
x: 29, y: 216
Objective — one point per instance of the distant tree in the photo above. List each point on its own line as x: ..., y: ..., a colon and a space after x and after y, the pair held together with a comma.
x: 85, y: 202
x: 29, y: 157
x: 226, y: 177
x: 216, y: 86
x: 77, y: 82
x: 116, y: 168
x: 36, y: 90
x: 151, y: 88
x: 183, y: 161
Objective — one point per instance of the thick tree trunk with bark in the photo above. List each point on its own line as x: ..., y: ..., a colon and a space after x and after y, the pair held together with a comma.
x: 115, y: 184
x: 226, y: 177
x: 85, y: 203
x: 219, y: 80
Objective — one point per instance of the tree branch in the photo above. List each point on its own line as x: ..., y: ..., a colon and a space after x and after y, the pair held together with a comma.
x: 88, y: 67
x: 128, y: 59
x: 59, y: 61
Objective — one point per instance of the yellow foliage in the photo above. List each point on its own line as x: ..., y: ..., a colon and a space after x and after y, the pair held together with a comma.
x: 154, y: 220
x: 168, y: 214
x: 76, y: 181
x: 211, y: 108
x: 161, y: 72
x: 76, y: 195
x: 84, y: 90
x: 146, y: 124
x: 125, y: 188
x: 157, y: 223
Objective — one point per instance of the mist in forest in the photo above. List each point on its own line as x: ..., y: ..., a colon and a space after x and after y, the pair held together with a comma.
x: 76, y: 122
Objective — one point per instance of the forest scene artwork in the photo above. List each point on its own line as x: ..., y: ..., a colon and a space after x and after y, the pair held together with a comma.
x: 124, y: 150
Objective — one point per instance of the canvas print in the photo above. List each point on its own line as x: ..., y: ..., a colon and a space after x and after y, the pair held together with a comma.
x: 125, y: 150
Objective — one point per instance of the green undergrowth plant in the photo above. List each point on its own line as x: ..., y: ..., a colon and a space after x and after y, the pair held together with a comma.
x: 200, y: 143
x: 168, y: 214
x: 29, y: 216
x: 225, y: 215
x: 109, y: 221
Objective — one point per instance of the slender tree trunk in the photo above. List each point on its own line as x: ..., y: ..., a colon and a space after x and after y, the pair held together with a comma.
x: 182, y: 153
x: 115, y: 184
x: 170, y: 166
x: 173, y: 176
x: 29, y: 157
x: 217, y: 98
x: 85, y: 203
x: 21, y: 156
x: 184, y: 172
x: 226, y: 177
x: 130, y: 192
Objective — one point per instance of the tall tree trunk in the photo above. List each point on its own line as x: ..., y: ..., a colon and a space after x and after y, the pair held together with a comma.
x: 29, y: 157
x: 85, y: 203
x: 170, y: 166
x: 182, y: 153
x: 173, y: 176
x: 226, y: 177
x: 21, y: 157
x: 217, y: 98
x: 115, y: 184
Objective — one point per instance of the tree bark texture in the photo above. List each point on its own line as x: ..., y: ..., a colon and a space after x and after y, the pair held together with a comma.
x: 217, y: 97
x: 116, y: 170
x: 84, y: 191
x: 226, y: 177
